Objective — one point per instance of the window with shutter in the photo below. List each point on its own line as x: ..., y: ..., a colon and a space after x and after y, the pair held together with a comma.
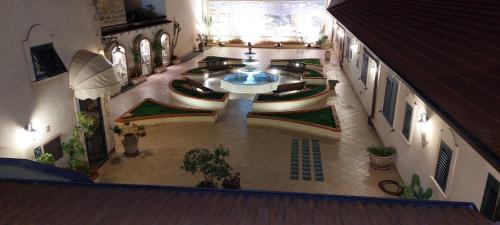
x: 443, y: 165
x: 347, y: 48
x: 407, y: 121
x: 364, y: 69
x: 46, y: 61
x: 391, y: 90
x: 489, y: 205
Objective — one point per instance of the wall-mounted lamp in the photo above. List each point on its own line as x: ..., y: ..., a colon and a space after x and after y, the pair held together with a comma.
x: 225, y: 62
x: 423, y: 126
x: 374, y: 69
x: 29, y: 128
x: 297, y: 65
x: 206, y: 75
x: 340, y: 33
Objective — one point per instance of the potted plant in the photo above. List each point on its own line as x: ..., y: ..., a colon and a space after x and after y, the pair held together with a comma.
x: 415, y: 191
x: 212, y: 164
x: 73, y: 149
x: 46, y: 158
x: 232, y: 182
x: 131, y: 134
x: 381, y: 157
x: 137, y: 76
x: 158, y: 49
x: 173, y: 42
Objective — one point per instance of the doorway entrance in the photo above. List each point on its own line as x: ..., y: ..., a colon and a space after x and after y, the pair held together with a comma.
x: 97, y: 150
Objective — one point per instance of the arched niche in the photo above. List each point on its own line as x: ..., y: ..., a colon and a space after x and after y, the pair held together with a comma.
x: 163, y: 38
x: 143, y: 55
x: 117, y: 55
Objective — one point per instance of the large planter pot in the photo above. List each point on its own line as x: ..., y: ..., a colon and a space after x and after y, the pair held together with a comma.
x: 130, y: 142
x: 137, y: 80
x: 380, y: 163
x: 176, y: 61
x: 160, y: 69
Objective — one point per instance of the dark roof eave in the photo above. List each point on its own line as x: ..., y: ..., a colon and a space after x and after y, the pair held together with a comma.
x: 110, y: 30
x: 481, y: 148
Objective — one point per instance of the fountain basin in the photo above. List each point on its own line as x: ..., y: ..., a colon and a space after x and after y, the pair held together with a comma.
x: 250, y: 82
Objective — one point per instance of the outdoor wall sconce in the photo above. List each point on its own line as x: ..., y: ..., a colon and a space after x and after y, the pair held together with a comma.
x: 225, y: 62
x: 423, y: 126
x: 29, y: 128
x: 374, y: 68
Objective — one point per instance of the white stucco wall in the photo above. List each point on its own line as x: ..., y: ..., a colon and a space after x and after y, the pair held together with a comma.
x: 48, y: 102
x: 186, y: 12
x: 468, y: 172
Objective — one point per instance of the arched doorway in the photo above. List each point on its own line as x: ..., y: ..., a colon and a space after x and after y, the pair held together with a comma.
x: 145, y: 56
x: 119, y: 61
x: 165, y: 53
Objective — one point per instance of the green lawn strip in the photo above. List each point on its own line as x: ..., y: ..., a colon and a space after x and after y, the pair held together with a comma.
x: 199, y: 70
x: 310, y: 61
x: 322, y: 117
x: 177, y: 85
x: 313, y: 73
x: 149, y: 108
x: 315, y: 89
x: 216, y: 59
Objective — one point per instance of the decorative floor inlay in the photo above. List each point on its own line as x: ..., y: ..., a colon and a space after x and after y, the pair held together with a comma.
x: 294, y: 162
x: 306, y: 162
x: 318, y: 168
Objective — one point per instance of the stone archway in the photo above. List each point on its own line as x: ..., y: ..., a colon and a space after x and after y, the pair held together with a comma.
x: 143, y: 55
x: 117, y: 55
x: 163, y: 38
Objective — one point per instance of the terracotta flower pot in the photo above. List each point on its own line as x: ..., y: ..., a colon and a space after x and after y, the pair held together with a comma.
x: 130, y: 143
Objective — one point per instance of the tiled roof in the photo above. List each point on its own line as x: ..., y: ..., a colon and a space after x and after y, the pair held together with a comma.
x: 24, y: 202
x: 448, y: 51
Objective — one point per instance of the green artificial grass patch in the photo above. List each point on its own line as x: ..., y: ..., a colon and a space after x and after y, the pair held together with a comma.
x: 313, y: 73
x: 178, y: 86
x: 315, y: 89
x: 199, y: 70
x: 216, y: 59
x: 150, y: 108
x: 311, y: 61
x: 322, y: 117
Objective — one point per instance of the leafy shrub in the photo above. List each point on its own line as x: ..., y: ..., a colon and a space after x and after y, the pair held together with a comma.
x: 46, y: 158
x: 415, y: 191
x: 212, y: 164
x: 381, y: 151
x: 232, y: 182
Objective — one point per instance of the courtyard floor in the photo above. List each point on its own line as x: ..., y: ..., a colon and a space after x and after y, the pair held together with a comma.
x: 261, y: 155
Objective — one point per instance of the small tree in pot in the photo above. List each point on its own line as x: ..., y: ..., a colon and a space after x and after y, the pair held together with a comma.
x: 74, y: 149
x: 173, y: 42
x: 131, y: 135
x: 212, y: 164
x: 381, y: 157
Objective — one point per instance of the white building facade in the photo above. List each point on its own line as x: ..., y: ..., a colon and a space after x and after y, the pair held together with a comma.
x: 407, y: 123
x: 47, y: 103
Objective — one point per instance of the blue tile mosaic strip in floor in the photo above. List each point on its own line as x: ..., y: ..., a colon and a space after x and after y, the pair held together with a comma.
x: 294, y: 161
x: 306, y: 163
x: 318, y: 168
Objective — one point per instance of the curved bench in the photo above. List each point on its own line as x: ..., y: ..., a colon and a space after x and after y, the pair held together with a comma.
x: 150, y: 112
x: 267, y: 102
x: 280, y: 120
x: 197, y: 100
